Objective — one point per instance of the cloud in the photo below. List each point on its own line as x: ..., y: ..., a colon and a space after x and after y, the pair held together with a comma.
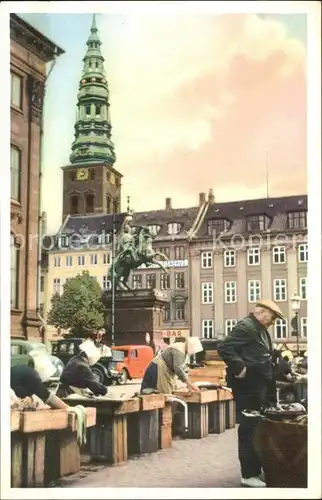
x: 197, y: 101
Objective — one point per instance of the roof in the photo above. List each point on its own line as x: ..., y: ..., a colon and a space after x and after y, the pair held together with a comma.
x: 25, y: 34
x: 237, y: 212
x: 93, y: 224
x: 183, y: 216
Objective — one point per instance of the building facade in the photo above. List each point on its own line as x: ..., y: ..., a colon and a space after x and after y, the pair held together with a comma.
x: 29, y: 52
x: 246, y: 251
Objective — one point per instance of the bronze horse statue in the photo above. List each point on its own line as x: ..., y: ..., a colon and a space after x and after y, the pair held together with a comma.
x: 141, y: 252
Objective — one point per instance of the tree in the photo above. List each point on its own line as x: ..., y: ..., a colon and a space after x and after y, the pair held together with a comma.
x: 79, y: 308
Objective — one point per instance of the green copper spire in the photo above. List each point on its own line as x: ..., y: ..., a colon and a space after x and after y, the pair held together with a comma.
x: 92, y: 141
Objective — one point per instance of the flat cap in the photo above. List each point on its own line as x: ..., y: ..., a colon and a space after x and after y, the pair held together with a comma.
x: 271, y: 306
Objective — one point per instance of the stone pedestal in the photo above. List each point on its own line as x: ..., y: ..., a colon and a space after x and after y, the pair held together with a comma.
x: 137, y: 312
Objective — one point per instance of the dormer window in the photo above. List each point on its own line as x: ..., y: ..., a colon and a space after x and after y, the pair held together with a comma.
x: 257, y: 223
x: 174, y: 228
x: 217, y: 226
x: 297, y: 220
x: 104, y: 238
x: 154, y: 229
x: 63, y: 241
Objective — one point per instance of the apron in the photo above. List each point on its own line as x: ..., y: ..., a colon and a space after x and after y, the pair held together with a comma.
x: 166, y: 381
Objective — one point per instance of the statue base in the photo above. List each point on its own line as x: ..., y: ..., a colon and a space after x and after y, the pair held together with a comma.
x: 138, y: 316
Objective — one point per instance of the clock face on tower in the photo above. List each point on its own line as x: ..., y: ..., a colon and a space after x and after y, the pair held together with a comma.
x: 82, y: 174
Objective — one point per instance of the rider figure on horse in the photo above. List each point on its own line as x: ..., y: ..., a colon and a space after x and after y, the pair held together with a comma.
x: 126, y: 244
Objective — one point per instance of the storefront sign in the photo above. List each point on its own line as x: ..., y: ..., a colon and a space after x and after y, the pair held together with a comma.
x: 175, y: 333
x: 167, y: 263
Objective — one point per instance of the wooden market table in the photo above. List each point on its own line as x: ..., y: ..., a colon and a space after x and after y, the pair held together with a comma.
x: 108, y: 440
x: 148, y: 428
x: 44, y: 446
x: 209, y: 411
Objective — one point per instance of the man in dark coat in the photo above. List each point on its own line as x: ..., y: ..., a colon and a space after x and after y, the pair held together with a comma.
x: 247, y: 352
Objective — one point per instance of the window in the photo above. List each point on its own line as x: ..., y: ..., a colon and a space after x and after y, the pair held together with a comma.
x: 257, y: 223
x: 179, y: 280
x: 207, y: 328
x: 42, y: 283
x: 179, y: 309
x: 254, y: 290
x: 89, y: 202
x: 92, y: 174
x: 63, y: 241
x: 137, y: 280
x: 81, y: 260
x: 165, y: 251
x: 303, y: 287
x: 15, y: 350
x: 280, y: 292
x: 88, y: 111
x: 93, y: 259
x: 106, y: 258
x: 206, y: 260
x: 179, y: 253
x: 150, y: 280
x: 253, y: 256
x: 133, y: 353
x: 16, y: 90
x: 217, y: 226
x: 207, y: 293
x: 107, y: 285
x: 108, y: 204
x: 280, y: 329
x: 69, y: 261
x: 230, y: 258
x: 154, y: 229
x: 57, y: 262
x: 115, y: 206
x: 230, y: 291
x: 304, y: 327
x: 74, y: 204
x: 165, y: 281
x: 174, y: 228
x: 15, y: 170
x: 303, y: 252
x: 167, y: 312
x: 229, y: 325
x: 56, y: 286
x: 98, y: 110
x: 279, y: 255
x: 14, y: 271
x: 104, y: 238
x: 297, y: 220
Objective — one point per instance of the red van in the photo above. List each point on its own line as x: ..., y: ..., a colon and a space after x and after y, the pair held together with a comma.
x: 136, y: 360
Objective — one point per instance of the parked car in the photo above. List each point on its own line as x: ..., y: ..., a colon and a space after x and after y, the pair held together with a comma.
x: 136, y: 359
x: 20, y: 350
x: 105, y: 370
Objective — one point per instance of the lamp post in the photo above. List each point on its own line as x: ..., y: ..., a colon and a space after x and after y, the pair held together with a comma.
x: 113, y: 284
x: 296, y: 304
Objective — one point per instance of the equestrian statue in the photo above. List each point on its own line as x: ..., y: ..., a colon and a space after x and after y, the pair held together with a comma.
x: 133, y: 250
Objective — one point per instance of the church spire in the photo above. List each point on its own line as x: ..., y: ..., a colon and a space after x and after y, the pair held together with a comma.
x: 93, y: 141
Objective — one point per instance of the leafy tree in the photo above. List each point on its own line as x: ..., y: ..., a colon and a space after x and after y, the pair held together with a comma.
x: 79, y: 308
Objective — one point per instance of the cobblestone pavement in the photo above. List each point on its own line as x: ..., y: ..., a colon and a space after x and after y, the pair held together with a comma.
x: 191, y: 463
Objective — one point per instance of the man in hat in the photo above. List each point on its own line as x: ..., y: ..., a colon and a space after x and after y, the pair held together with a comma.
x: 247, y: 352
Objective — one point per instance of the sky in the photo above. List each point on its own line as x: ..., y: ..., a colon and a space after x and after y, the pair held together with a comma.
x: 197, y: 102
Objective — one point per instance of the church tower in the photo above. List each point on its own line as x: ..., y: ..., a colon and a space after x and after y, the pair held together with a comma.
x: 91, y: 185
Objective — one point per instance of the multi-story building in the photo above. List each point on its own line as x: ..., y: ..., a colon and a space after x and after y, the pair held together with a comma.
x: 245, y: 251
x: 30, y: 50
x: 172, y: 229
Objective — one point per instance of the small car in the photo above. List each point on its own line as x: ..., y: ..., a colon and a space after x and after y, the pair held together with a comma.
x: 20, y: 350
x: 136, y: 360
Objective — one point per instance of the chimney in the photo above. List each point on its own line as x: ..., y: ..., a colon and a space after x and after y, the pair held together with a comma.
x: 202, y: 199
x: 211, y: 197
x: 168, y: 204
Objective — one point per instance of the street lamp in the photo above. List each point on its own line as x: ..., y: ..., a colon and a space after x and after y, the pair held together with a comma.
x: 296, y: 304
